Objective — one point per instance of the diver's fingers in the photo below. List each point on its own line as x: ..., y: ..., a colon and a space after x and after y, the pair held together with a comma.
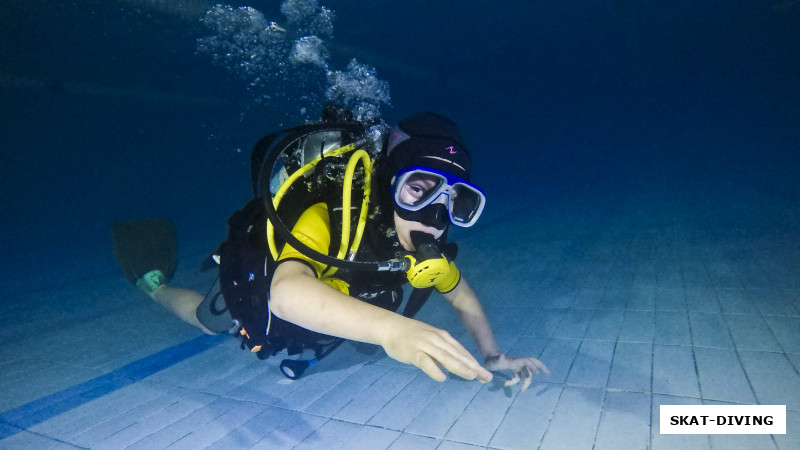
x: 530, y: 366
x: 460, y: 365
x: 528, y: 378
x: 539, y: 366
x: 455, y: 358
x: 512, y: 381
x: 534, y: 365
x: 526, y: 383
x: 433, y: 358
x: 451, y: 345
x: 427, y: 347
x: 430, y: 367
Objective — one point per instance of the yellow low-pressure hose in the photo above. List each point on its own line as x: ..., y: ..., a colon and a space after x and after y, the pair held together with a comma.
x: 359, y: 155
x: 347, y: 193
x: 276, y: 200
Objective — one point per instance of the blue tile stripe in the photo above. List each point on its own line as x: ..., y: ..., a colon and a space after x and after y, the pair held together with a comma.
x: 21, y: 418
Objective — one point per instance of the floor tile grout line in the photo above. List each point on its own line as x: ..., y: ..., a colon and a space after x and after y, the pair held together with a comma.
x: 37, y: 411
x: 550, y: 417
x: 511, y: 404
x: 600, y: 417
x: 411, y: 380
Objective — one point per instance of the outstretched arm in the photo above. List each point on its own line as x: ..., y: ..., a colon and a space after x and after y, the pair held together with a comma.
x: 469, y: 310
x: 297, y: 296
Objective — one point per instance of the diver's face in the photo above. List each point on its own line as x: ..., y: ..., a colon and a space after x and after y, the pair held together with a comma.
x: 405, y: 227
x: 418, y: 187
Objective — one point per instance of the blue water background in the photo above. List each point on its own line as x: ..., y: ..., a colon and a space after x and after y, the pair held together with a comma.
x: 107, y: 111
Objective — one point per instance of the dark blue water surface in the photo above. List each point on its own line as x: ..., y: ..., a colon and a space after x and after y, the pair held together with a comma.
x: 108, y: 111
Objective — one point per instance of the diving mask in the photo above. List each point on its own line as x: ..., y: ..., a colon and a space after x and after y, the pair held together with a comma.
x: 416, y: 188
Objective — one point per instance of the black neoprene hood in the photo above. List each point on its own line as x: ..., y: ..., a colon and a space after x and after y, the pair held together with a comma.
x: 428, y: 140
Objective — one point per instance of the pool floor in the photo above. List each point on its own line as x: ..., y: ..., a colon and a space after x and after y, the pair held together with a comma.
x: 657, y: 296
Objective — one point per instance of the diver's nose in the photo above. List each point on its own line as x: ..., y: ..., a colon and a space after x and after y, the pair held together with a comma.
x: 438, y: 218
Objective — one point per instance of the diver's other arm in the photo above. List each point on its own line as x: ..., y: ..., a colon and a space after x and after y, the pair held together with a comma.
x: 297, y: 296
x: 469, y: 310
x: 183, y: 303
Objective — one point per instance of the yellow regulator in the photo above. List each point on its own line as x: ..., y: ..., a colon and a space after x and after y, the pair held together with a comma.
x: 428, y: 272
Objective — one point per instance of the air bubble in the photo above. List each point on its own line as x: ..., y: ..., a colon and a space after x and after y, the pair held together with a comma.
x: 285, y: 63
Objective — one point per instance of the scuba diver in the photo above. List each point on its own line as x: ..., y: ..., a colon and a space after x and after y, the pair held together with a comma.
x: 340, y: 221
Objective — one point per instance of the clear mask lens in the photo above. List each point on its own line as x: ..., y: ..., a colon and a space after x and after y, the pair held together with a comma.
x: 418, y: 189
x: 465, y: 203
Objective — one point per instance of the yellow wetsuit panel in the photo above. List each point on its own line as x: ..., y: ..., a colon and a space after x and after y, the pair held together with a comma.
x: 313, y: 229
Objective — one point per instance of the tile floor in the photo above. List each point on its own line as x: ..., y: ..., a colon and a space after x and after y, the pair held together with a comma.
x: 658, y: 296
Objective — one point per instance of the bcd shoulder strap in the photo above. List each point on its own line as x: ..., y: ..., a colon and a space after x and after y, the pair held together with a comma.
x: 245, y: 271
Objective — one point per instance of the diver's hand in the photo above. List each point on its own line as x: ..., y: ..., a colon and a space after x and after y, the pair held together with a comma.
x: 429, y: 348
x: 523, y: 368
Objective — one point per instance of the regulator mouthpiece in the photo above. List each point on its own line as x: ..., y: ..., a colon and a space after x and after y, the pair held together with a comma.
x: 428, y: 265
